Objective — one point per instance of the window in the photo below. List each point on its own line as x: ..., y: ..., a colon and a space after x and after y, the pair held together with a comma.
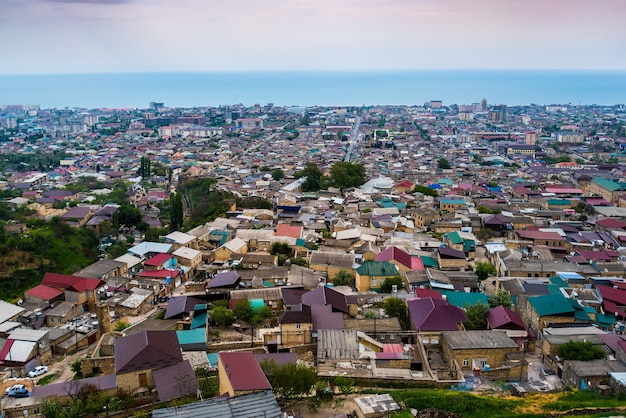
x: 297, y: 326
x: 465, y: 362
x: 373, y: 281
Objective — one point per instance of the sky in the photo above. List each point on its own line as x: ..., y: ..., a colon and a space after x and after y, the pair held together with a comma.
x: 102, y: 36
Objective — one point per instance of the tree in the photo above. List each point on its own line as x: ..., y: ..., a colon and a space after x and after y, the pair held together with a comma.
x: 344, y: 278
x: 278, y: 174
x: 144, y: 167
x: 128, y: 215
x: 581, y: 351
x: 484, y: 269
x: 346, y: 174
x: 176, y: 213
x: 345, y: 384
x: 387, y: 284
x: 425, y: 190
x: 443, y: 164
x: 313, y: 177
x: 221, y: 316
x: 476, y: 316
x: 280, y: 248
x: 289, y: 380
x: 500, y: 298
x: 396, y: 308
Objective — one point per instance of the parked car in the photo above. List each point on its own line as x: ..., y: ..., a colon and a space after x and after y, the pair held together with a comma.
x: 15, y: 387
x: 37, y: 371
x: 19, y: 393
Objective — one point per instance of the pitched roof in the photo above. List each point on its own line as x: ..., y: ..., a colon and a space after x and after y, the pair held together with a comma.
x: 551, y: 305
x: 377, y: 268
x: 286, y: 230
x: 611, y: 223
x: 326, y: 296
x: 402, y: 257
x: 503, y: 318
x: 44, y: 292
x: 323, y: 317
x: 175, y: 381
x: 179, y: 305
x: 552, y: 236
x: 429, y: 314
x: 225, y: 279
x: 244, y: 371
x: 147, y: 350
x: 157, y: 260
x: 446, y: 252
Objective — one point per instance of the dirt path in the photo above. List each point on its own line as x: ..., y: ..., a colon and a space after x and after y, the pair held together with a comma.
x: 61, y: 366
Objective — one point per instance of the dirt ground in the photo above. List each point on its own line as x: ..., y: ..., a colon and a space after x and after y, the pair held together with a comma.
x: 331, y: 408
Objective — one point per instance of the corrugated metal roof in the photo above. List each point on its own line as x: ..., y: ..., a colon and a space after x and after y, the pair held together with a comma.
x: 175, y: 381
x: 552, y: 304
x: 243, y: 371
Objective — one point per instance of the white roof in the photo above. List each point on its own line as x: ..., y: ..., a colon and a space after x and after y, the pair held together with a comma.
x: 234, y: 244
x: 26, y: 334
x: 348, y: 234
x: 9, y: 311
x: 130, y: 260
x: 20, y: 351
x: 150, y: 247
x: 180, y: 237
x: 186, y: 252
x: 137, y: 297
x: 8, y: 326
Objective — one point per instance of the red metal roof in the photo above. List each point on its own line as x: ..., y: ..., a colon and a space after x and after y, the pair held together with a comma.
x: 162, y: 274
x: 157, y: 260
x: 284, y: 230
x: 44, y: 292
x: 243, y: 371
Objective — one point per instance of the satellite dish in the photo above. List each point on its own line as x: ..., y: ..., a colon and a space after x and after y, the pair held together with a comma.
x: 19, y: 302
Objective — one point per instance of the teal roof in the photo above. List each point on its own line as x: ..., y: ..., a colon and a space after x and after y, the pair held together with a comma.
x: 192, y: 336
x: 463, y: 299
x: 213, y: 359
x: 469, y: 245
x: 445, y: 181
x: 429, y: 261
x: 551, y: 305
x: 453, y: 201
x: 198, y: 320
x: 377, y: 268
x: 554, y: 289
x: 605, y: 320
x: 607, y: 184
x: 300, y: 242
x: 558, y: 280
x: 455, y: 238
x: 559, y: 202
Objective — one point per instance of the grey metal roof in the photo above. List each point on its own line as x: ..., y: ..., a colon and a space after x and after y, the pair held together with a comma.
x: 252, y: 405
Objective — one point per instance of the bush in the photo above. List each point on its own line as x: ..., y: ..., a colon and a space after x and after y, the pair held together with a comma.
x: 121, y: 326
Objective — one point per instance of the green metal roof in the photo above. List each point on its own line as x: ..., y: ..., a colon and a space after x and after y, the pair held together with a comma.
x: 455, y: 238
x: 552, y: 304
x: 558, y: 280
x: 377, y: 268
x: 463, y: 299
x: 605, y: 320
x: 453, y: 202
x: 607, y: 184
x: 559, y: 202
x: 198, y: 320
x: 429, y: 261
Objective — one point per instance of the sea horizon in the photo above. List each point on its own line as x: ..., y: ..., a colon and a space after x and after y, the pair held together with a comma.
x: 315, y: 88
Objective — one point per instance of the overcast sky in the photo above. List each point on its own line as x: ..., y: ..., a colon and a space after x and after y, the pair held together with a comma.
x: 69, y: 36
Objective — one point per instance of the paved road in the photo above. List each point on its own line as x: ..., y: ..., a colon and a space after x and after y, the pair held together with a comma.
x: 354, y: 138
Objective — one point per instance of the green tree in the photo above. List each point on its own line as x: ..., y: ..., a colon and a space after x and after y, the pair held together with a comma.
x: 443, y: 164
x: 289, y: 380
x: 387, y: 284
x: 221, y: 316
x: 500, y: 298
x: 313, y: 177
x: 343, y: 278
x: 581, y: 351
x: 397, y: 308
x: 280, y: 248
x: 345, y: 384
x: 346, y: 174
x: 484, y: 269
x: 278, y: 174
x: 476, y: 316
x: 128, y: 216
x: 425, y: 190
x: 176, y: 213
x: 243, y: 310
x: 121, y: 326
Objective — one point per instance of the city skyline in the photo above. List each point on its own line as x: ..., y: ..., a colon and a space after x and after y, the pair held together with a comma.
x: 101, y: 36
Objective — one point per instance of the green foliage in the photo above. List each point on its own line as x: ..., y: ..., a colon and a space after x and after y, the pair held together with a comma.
x: 176, y: 212
x: 484, y: 269
x: 485, y: 209
x: 244, y: 312
x: 160, y: 314
x: 500, y: 298
x: 221, y: 316
x: 144, y: 167
x: 577, y: 399
x: 345, y: 384
x: 117, y: 249
x: 127, y: 215
x: 581, y: 350
x: 425, y: 190
x: 387, y: 284
x: 280, y: 248
x: 443, y: 164
x: 278, y: 174
x: 207, y: 381
x: 476, y: 316
x: 121, y: 326
x: 289, y: 380
x: 253, y: 202
x: 344, y: 175
x: 344, y: 278
x: 299, y: 261
x: 47, y: 379
x: 397, y: 308
x: 75, y: 366
x: 313, y: 175
x: 205, y: 204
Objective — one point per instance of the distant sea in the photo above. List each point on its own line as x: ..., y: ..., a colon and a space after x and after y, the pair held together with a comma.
x: 306, y: 88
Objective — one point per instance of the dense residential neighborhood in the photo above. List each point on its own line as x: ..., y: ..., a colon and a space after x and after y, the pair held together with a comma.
x: 436, y: 246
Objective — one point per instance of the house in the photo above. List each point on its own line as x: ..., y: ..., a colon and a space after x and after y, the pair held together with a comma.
x: 239, y: 373
x: 225, y: 252
x: 371, y: 274
x: 332, y: 263
x: 504, y: 319
x: 77, y: 216
x: 153, y: 360
x: 180, y: 239
x: 296, y: 326
x: 450, y: 259
x: 431, y: 314
x: 590, y: 374
x: 249, y: 405
x: 491, y: 353
x: 25, y: 349
x: 225, y: 280
x: 401, y: 259
x: 62, y: 313
x: 461, y: 241
x: 104, y: 270
x: 76, y: 289
x: 498, y: 224
x: 44, y: 295
x: 148, y: 249
x: 160, y: 262
x: 539, y: 312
